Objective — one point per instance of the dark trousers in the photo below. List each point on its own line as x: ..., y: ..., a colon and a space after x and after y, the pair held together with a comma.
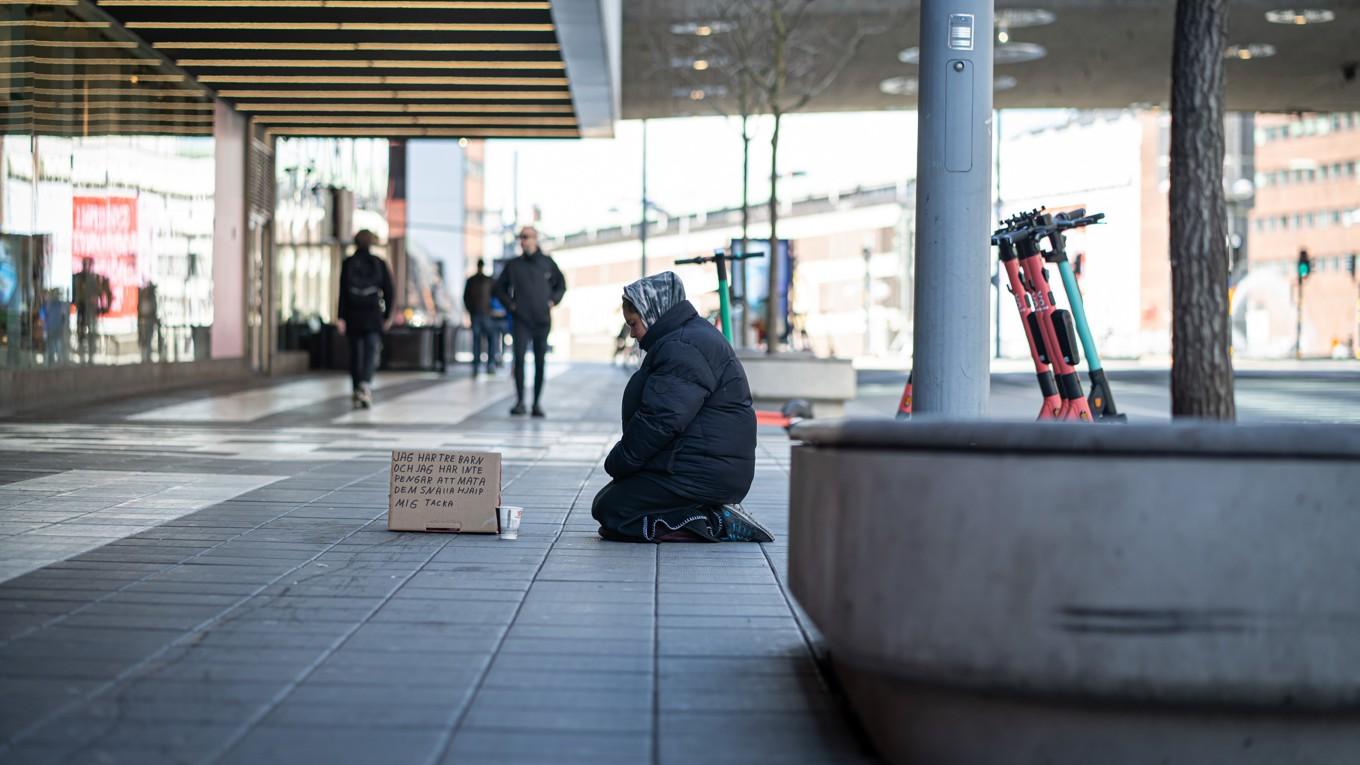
x: 486, y: 332
x: 365, y: 349
x: 523, y: 336
x: 640, y: 509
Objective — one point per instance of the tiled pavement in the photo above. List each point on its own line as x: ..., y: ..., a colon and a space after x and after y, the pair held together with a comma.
x: 222, y: 588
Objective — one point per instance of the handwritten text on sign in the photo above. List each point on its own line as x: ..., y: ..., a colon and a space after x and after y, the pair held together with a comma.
x: 435, y: 480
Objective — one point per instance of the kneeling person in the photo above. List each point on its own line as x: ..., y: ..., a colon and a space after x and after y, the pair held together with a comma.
x: 688, y: 451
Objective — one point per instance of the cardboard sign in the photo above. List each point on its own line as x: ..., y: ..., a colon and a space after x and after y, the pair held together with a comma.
x: 444, y: 491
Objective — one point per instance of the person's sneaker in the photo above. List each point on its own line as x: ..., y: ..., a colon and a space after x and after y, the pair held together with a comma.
x: 538, y: 411
x: 736, y: 525
x: 365, y: 398
x: 518, y: 411
x: 354, y: 401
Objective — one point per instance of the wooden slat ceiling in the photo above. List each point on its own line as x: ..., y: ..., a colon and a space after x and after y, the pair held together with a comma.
x: 64, y: 71
x: 454, y: 68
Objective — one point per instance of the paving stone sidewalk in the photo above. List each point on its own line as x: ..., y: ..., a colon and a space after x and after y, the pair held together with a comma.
x: 227, y: 592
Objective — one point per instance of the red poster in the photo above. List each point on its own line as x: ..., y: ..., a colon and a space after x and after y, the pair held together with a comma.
x: 104, y: 232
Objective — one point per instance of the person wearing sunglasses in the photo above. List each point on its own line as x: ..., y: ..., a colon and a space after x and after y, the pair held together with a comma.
x: 529, y: 286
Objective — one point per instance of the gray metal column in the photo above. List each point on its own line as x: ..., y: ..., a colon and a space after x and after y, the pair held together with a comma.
x: 953, y: 209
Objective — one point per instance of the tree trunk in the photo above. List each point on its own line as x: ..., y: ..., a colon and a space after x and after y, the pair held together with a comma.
x: 1201, y: 365
x: 773, y: 316
x: 744, y: 329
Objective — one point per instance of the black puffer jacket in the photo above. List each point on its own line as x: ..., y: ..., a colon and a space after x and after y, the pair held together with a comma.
x: 688, y: 421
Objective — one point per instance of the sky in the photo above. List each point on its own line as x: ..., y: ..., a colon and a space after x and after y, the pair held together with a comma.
x: 694, y: 164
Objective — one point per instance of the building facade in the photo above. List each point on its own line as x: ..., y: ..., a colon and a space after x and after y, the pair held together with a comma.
x: 1307, y: 200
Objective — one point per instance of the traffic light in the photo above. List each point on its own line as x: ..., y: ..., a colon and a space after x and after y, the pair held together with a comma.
x: 1305, y: 265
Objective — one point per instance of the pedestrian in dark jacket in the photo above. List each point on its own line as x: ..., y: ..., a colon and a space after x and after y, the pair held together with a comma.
x: 365, y: 313
x: 687, y: 455
x: 477, y: 301
x: 529, y: 287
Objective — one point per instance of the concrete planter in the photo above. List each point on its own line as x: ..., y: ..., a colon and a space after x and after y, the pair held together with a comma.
x: 997, y: 592
x: 775, y: 380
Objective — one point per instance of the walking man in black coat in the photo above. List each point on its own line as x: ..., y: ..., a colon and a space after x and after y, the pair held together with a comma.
x: 529, y: 287
x: 366, y: 300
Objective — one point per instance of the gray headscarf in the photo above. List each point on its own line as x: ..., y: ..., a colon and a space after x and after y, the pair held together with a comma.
x: 653, y: 296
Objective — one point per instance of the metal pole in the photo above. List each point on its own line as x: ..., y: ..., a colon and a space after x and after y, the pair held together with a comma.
x: 953, y: 204
x: 868, y: 303
x: 642, y: 230
x: 996, y: 219
x: 1298, y: 321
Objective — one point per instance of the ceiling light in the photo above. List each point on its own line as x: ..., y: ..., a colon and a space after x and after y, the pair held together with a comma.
x: 409, y: 95
x: 127, y: 106
x: 1003, y: 36
x: 433, y: 47
x: 391, y: 108
x: 462, y: 143
x: 699, y: 94
x: 341, y: 26
x: 1300, y: 16
x: 1015, y: 18
x: 1004, y: 82
x: 1249, y: 51
x: 910, y: 56
x: 44, y: 60
x: 700, y: 65
x: 180, y: 92
x: 267, y: 63
x: 134, y: 79
x: 440, y: 5
x: 1017, y: 53
x: 68, y: 43
x: 702, y: 28
x: 378, y: 130
x: 412, y: 119
x: 303, y: 79
x: 899, y: 86
x: 57, y: 24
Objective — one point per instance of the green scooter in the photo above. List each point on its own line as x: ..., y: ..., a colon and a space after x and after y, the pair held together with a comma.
x: 721, y: 258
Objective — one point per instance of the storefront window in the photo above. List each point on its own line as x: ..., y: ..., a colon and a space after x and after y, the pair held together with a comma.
x: 106, y: 208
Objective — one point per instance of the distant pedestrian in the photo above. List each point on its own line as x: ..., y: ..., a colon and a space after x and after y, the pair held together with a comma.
x: 529, y: 287
x: 688, y: 452
x: 366, y: 301
x: 485, y: 331
x: 93, y: 297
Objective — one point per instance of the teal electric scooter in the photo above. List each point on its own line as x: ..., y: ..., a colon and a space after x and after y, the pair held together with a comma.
x: 1100, y: 399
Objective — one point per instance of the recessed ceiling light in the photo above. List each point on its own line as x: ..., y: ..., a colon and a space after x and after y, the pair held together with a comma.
x: 1017, y: 52
x: 910, y: 56
x: 1003, y: 36
x: 462, y: 143
x: 700, y: 65
x: 1015, y: 18
x: 899, y: 86
x: 1300, y: 16
x: 699, y: 94
x: 1004, y: 82
x: 1249, y: 51
x: 701, y: 28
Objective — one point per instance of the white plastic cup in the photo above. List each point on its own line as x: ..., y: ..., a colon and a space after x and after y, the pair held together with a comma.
x: 510, y: 517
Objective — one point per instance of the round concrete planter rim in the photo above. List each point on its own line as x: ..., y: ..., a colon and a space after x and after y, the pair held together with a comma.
x: 1181, y: 438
